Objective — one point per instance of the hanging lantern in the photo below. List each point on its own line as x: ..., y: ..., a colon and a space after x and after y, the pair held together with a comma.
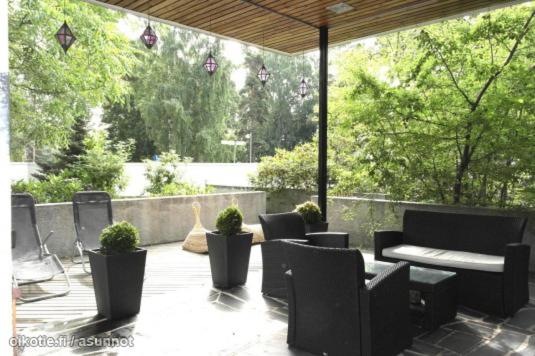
x: 303, y: 88
x: 263, y: 75
x: 210, y: 64
x: 149, y: 37
x: 65, y: 37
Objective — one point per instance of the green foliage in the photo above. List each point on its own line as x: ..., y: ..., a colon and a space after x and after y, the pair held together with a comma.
x: 125, y: 123
x: 121, y: 237
x: 102, y: 166
x: 443, y: 114
x: 310, y: 212
x: 275, y: 115
x: 49, y: 89
x: 229, y: 221
x: 184, y: 108
x: 165, y: 178
x: 296, y: 169
x: 55, y: 189
x: 67, y: 157
x: 440, y: 114
x: 184, y: 188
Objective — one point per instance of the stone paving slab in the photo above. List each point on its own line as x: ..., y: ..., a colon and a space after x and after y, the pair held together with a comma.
x: 204, y: 321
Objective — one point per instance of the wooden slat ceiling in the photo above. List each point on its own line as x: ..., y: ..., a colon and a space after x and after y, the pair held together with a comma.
x: 244, y: 21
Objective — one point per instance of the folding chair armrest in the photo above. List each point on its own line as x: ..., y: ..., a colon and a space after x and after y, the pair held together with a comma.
x: 47, y: 237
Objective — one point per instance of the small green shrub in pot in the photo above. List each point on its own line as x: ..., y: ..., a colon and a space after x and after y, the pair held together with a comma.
x: 229, y: 249
x: 229, y: 221
x: 118, y: 238
x: 310, y: 212
x: 118, y: 270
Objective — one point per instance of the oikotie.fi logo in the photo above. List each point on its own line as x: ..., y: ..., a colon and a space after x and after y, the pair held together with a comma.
x: 23, y: 341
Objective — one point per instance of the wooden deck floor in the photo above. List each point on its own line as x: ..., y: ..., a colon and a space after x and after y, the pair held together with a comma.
x: 168, y: 269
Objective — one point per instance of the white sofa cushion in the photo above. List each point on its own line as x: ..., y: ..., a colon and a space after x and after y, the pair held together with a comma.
x: 446, y: 258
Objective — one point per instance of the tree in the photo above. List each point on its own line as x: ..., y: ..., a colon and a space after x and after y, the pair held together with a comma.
x: 125, y: 122
x: 184, y: 108
x: 445, y: 113
x: 48, y: 89
x: 66, y: 157
x: 275, y: 114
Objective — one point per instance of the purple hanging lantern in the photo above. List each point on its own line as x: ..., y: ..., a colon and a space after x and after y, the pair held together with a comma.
x: 65, y: 37
x: 303, y: 88
x: 263, y: 75
x: 210, y: 64
x: 149, y: 37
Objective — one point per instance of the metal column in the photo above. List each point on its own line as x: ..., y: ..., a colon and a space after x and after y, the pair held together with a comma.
x: 322, y: 129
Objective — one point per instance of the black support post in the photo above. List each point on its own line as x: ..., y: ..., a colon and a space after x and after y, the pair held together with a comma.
x: 322, y: 129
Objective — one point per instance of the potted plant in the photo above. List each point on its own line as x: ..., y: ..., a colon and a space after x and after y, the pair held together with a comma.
x: 229, y: 249
x: 118, y: 268
x: 311, y: 213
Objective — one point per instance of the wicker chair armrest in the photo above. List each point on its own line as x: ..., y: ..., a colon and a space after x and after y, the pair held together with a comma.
x: 384, y: 305
x: 516, y: 275
x: 329, y: 239
x: 391, y: 278
x: 384, y: 239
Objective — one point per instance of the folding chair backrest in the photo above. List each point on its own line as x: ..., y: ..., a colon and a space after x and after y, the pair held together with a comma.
x: 92, y: 213
x: 24, y: 227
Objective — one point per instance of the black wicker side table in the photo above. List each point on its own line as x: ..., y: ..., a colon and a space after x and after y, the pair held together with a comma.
x: 433, y: 293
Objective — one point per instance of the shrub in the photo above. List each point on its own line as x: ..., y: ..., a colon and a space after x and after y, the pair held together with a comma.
x: 55, y: 189
x: 121, y: 237
x: 183, y: 188
x: 229, y: 221
x: 310, y: 212
x: 296, y: 169
x: 102, y: 165
x: 164, y: 177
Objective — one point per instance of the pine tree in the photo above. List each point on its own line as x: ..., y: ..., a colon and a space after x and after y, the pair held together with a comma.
x: 67, y: 156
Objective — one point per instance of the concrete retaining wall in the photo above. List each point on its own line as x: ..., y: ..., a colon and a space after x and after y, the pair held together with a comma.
x: 360, y: 217
x: 160, y: 220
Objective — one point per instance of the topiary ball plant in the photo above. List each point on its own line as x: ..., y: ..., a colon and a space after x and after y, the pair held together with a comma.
x: 310, y: 212
x: 121, y: 237
x: 229, y: 221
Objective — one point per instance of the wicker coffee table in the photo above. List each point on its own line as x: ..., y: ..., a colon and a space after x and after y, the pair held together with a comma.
x: 433, y: 298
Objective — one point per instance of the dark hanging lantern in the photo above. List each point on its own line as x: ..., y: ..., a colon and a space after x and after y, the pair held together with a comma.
x: 65, y: 37
x: 263, y: 75
x: 303, y: 88
x: 210, y: 64
x: 149, y: 37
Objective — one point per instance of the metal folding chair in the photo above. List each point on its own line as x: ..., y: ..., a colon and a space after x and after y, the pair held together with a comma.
x: 92, y: 213
x: 32, y: 262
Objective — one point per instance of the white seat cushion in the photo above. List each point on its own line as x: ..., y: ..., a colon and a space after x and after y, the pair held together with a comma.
x: 446, y: 258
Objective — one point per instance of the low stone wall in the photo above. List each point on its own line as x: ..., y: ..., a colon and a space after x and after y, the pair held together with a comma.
x: 360, y: 217
x: 160, y: 220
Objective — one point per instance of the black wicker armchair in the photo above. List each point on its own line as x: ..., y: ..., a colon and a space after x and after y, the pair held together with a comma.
x: 333, y: 311
x: 288, y: 226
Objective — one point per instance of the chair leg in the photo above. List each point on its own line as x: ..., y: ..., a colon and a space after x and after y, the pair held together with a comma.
x: 78, y: 247
x: 46, y: 296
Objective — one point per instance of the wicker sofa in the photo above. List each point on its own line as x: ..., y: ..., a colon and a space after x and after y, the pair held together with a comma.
x: 485, y: 251
x: 333, y: 311
x: 288, y: 226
